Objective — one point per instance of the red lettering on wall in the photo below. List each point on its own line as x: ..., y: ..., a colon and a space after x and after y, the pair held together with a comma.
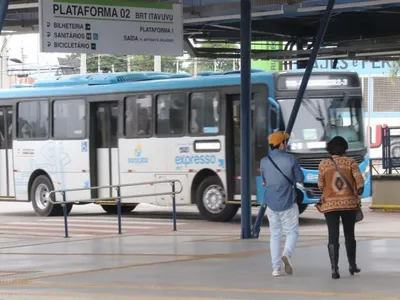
x: 378, y: 136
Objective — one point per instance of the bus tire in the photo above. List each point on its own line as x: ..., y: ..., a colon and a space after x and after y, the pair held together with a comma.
x: 112, y: 209
x: 40, y: 186
x: 211, y: 201
x: 302, y: 208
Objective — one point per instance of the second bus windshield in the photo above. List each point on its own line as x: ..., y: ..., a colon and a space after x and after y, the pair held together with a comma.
x: 320, y: 119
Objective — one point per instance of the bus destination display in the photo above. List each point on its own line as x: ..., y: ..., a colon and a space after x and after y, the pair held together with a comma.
x: 317, y: 82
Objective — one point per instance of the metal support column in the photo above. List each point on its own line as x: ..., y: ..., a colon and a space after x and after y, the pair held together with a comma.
x: 318, y: 41
x: 255, y: 231
x: 245, y: 116
x: 3, y: 12
x: 335, y: 62
x: 301, y: 64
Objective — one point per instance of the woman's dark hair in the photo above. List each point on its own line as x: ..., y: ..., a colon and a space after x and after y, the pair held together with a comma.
x: 337, y: 146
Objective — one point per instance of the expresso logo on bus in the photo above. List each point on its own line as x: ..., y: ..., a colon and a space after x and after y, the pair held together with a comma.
x: 310, y: 177
x: 195, y: 159
x: 138, y: 158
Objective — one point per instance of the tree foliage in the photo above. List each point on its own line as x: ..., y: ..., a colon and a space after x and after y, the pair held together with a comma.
x: 119, y: 63
x: 395, y: 69
x: 171, y: 64
x: 219, y: 65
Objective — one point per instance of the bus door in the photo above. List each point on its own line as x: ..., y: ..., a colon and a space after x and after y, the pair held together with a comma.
x: 6, y: 155
x: 259, y: 143
x: 104, y: 147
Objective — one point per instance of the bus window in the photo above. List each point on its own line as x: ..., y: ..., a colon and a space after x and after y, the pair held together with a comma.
x: 204, y: 113
x: 170, y: 114
x: 33, y: 119
x: 344, y: 120
x: 138, y: 116
x: 69, y: 119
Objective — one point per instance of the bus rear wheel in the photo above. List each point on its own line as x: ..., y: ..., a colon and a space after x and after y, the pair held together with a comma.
x: 40, y: 187
x: 211, y: 201
x: 112, y: 209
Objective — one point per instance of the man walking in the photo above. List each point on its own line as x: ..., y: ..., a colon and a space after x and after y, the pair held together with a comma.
x: 280, y: 198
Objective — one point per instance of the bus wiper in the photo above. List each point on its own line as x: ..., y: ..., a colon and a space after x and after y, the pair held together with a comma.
x: 315, y: 112
x: 321, y: 117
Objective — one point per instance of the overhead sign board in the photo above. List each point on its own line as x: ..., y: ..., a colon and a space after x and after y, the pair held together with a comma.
x: 267, y: 65
x: 363, y: 68
x: 150, y: 27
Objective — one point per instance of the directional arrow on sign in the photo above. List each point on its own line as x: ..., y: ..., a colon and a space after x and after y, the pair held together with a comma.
x: 48, y: 24
x: 48, y: 44
x: 48, y: 34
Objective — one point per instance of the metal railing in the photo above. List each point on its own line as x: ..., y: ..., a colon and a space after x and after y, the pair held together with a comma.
x: 377, y: 167
x: 390, y: 148
x: 117, y: 199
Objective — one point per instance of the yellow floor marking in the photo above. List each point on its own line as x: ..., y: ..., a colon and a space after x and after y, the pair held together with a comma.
x: 178, y: 260
x: 150, y: 264
x: 303, y: 244
x: 191, y: 289
x: 104, y: 296
x: 113, y: 268
x: 95, y: 254
x: 209, y: 239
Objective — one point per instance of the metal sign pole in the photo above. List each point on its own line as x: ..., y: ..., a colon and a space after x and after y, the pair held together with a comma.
x: 255, y: 231
x: 317, y: 44
x: 245, y: 117
x: 3, y: 12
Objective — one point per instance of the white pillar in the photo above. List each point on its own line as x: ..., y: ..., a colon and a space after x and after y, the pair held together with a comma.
x: 83, y: 63
x: 157, y: 63
x: 128, y: 61
x: 3, y: 63
x: 195, y: 67
x: 98, y: 63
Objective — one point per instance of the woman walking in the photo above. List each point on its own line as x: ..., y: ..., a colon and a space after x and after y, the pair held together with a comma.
x: 342, y: 184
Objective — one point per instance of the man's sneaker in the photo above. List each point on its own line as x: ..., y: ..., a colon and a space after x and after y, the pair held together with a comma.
x: 276, y: 273
x: 287, y: 264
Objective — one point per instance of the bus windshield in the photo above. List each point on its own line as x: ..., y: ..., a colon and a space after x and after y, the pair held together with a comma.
x: 320, y: 119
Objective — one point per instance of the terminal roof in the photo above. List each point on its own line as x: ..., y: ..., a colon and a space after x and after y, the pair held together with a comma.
x: 359, y: 29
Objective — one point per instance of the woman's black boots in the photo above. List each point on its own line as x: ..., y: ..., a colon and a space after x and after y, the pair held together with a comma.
x: 351, y: 256
x: 333, y: 250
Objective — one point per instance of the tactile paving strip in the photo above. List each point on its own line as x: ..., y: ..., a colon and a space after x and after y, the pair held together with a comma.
x: 6, y: 273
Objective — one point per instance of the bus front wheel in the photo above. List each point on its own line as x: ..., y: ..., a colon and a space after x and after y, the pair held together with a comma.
x: 40, y: 187
x: 211, y: 201
x: 112, y: 209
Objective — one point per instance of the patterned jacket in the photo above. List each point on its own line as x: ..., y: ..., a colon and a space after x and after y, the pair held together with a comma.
x: 336, y: 195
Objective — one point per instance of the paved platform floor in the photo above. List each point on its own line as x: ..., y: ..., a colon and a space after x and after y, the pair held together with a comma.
x: 202, y: 262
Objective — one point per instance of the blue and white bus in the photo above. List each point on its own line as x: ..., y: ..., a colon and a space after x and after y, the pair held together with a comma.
x: 80, y: 131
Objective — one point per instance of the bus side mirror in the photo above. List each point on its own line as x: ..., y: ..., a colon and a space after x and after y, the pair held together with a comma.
x: 277, y: 107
